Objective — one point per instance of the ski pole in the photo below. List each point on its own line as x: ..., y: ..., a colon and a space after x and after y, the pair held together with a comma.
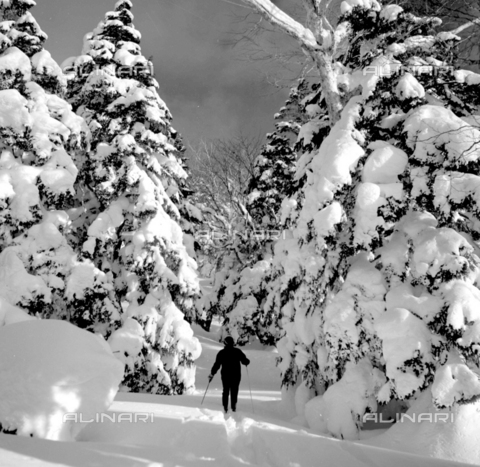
x: 250, y: 387
x: 205, y: 392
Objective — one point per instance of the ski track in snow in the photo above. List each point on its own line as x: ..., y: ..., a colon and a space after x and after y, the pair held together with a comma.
x: 185, y: 433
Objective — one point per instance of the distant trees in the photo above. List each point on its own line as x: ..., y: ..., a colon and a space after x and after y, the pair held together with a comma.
x: 220, y: 174
x: 240, y: 286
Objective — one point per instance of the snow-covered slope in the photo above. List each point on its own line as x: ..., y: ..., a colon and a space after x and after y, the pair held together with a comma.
x: 185, y: 433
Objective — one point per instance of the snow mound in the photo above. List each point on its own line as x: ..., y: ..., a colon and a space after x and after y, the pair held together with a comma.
x: 409, y: 88
x: 438, y: 433
x: 384, y: 164
x: 339, y: 410
x: 53, y: 378
x: 13, y: 60
x: 391, y: 12
x: 14, y: 112
x: 10, y: 314
x: 43, y: 63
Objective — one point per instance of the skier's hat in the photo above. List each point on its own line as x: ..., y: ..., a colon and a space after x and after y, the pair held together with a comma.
x: 229, y: 342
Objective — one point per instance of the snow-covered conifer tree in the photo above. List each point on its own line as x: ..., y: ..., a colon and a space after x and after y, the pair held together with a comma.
x: 313, y: 126
x: 41, y: 140
x: 132, y: 180
x: 383, y: 246
x: 274, y: 168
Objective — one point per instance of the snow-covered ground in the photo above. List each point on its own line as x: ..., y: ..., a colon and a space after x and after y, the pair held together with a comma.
x: 179, y: 431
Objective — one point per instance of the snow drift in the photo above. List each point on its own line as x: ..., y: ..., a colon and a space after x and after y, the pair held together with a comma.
x: 48, y: 369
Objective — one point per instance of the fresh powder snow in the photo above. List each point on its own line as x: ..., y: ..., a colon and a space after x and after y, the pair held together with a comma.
x: 155, y: 431
x: 53, y: 377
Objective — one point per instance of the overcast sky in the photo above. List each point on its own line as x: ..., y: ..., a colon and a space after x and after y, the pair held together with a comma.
x: 210, y: 91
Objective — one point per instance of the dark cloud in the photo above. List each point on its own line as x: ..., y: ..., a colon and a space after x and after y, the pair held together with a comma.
x: 209, y: 90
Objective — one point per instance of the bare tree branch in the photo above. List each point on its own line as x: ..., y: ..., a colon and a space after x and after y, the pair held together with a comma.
x: 322, y: 54
x: 466, y: 26
x: 280, y: 19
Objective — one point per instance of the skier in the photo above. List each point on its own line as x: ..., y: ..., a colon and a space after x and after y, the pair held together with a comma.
x: 229, y: 358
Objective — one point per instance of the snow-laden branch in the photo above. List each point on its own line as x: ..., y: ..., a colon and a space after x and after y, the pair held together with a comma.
x: 466, y: 25
x: 286, y: 23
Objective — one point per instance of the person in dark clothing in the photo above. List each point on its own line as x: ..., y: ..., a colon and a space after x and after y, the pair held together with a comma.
x: 229, y: 359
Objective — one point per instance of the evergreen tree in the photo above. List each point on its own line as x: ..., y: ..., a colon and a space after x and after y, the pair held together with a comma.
x: 41, y: 140
x: 383, y: 251
x: 132, y: 181
x: 275, y: 167
x: 287, y: 271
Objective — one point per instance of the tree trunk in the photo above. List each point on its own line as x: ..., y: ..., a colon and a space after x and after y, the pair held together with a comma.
x: 328, y: 80
x: 321, y: 57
